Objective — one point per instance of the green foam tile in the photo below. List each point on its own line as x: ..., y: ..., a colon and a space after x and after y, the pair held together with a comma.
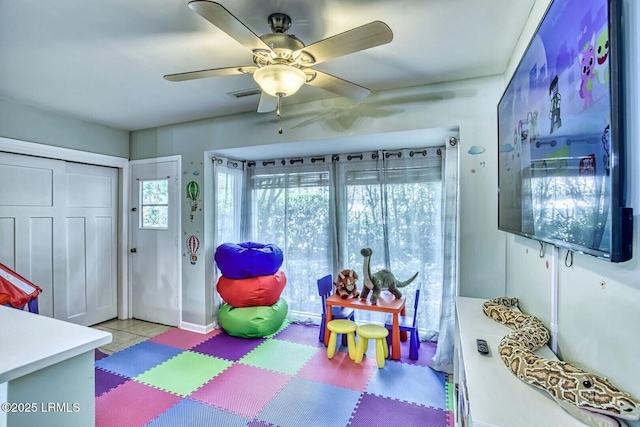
x: 280, y: 356
x: 449, y: 390
x: 184, y: 373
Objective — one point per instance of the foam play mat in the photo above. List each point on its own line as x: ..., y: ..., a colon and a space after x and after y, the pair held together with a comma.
x: 184, y: 379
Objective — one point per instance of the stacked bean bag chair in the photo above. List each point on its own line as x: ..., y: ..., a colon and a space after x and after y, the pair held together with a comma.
x: 251, y: 285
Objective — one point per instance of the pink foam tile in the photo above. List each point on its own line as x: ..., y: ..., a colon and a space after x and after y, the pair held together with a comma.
x: 182, y: 339
x: 242, y: 389
x: 340, y: 371
x: 132, y: 405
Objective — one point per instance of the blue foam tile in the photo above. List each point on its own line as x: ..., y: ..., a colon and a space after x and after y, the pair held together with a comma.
x: 195, y: 414
x: 137, y: 359
x: 320, y: 405
x: 410, y: 383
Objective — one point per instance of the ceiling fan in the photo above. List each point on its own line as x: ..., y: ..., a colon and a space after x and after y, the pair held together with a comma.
x: 281, y: 62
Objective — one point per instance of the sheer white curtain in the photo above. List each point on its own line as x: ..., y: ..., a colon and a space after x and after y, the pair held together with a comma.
x: 289, y: 205
x: 390, y: 201
x: 443, y: 359
x: 228, y: 176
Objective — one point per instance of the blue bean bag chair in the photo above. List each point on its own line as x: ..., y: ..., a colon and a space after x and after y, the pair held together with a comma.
x: 252, y: 322
x: 248, y: 259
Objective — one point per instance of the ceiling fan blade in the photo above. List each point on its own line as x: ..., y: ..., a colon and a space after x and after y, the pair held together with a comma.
x: 337, y: 85
x: 267, y: 103
x: 369, y: 35
x: 227, y: 22
x: 212, y: 72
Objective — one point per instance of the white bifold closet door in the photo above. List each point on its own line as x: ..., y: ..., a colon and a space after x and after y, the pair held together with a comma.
x: 58, y: 228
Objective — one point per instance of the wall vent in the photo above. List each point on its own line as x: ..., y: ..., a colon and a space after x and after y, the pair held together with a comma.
x: 245, y: 93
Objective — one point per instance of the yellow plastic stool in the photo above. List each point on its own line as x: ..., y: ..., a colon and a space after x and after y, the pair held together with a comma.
x: 378, y: 333
x: 341, y: 326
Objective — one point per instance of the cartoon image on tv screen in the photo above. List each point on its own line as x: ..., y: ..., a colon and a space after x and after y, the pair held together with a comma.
x: 554, y: 130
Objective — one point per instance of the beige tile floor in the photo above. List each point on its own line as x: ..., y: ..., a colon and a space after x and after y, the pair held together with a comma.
x: 129, y: 332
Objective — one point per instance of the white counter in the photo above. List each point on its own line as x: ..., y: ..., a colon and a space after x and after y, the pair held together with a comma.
x: 44, y: 360
x: 496, y: 397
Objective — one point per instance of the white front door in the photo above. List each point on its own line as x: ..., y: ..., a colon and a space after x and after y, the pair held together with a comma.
x: 154, y: 256
x: 58, y: 229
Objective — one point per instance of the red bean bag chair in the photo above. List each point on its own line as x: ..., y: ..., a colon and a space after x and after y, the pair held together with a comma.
x: 254, y: 291
x: 248, y: 259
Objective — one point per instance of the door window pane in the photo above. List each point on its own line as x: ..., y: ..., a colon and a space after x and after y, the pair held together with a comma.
x: 154, y: 204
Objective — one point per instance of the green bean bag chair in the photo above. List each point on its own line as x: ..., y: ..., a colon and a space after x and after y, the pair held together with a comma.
x: 252, y: 322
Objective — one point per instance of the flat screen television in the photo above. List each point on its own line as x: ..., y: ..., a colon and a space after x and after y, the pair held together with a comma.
x: 561, y: 134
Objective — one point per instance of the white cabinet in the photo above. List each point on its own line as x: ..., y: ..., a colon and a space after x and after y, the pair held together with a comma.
x: 47, y: 370
x: 488, y: 394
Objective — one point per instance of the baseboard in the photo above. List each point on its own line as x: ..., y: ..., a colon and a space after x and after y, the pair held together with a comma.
x: 201, y: 329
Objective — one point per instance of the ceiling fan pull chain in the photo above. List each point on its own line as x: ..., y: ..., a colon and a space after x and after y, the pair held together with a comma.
x: 278, y: 113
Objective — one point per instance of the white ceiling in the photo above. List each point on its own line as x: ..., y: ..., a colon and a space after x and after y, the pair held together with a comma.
x: 103, y: 60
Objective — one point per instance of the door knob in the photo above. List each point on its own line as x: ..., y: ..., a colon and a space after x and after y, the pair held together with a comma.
x: 133, y: 250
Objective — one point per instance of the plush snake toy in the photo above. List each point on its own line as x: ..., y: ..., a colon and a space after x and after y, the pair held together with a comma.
x: 590, y: 398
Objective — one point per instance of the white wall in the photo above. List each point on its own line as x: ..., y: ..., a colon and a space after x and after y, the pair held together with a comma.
x: 24, y: 123
x: 597, y: 326
x: 319, y: 127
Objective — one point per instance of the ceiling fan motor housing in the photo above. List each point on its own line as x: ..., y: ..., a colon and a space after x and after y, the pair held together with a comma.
x: 279, y: 22
x: 282, y: 41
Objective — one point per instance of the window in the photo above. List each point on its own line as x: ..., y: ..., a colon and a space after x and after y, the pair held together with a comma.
x: 394, y: 207
x: 154, y: 204
x: 291, y: 209
x: 228, y: 205
x: 322, y: 211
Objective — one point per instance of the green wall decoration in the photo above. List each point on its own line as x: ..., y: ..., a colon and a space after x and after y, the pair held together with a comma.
x: 193, y: 190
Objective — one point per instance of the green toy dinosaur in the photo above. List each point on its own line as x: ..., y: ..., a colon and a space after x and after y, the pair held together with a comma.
x: 380, y: 280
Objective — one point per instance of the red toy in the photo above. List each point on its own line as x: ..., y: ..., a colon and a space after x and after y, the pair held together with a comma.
x: 16, y: 291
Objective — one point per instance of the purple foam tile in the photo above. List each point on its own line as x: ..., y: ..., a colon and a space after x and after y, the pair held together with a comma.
x: 425, y: 353
x: 227, y: 347
x: 100, y: 355
x: 301, y: 334
x: 375, y: 411
x: 106, y: 381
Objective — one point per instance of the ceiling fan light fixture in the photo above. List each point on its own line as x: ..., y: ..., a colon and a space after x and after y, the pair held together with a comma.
x: 280, y: 79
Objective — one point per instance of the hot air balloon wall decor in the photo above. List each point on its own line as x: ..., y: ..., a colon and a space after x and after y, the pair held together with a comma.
x: 193, y: 191
x: 193, y: 244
